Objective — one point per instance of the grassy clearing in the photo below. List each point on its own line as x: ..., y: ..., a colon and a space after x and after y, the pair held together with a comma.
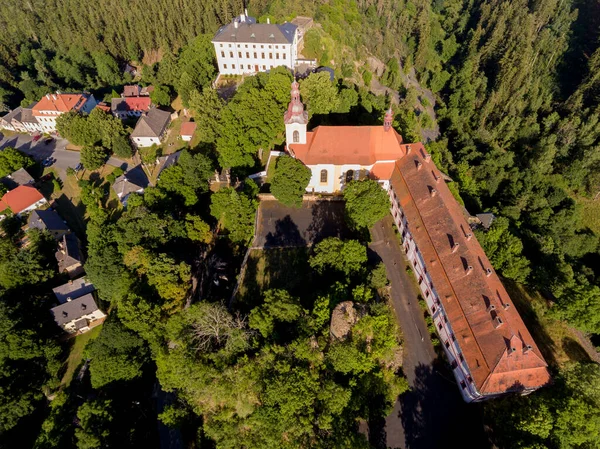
x: 285, y: 268
x: 76, y: 353
x: 591, y: 214
x: 555, y: 339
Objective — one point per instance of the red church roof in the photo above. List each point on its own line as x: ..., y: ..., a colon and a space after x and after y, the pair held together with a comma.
x: 20, y: 199
x: 341, y: 145
x: 494, y: 341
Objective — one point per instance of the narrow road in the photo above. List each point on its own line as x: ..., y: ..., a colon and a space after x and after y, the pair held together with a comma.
x: 432, y: 414
x: 57, y: 149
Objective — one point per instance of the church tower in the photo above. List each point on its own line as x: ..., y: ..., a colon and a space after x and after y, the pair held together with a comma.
x: 295, y: 119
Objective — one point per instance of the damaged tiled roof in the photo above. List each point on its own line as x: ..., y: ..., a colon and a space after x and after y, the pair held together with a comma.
x: 495, y: 343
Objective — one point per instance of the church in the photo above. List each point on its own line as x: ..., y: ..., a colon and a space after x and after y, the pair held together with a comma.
x: 487, y: 344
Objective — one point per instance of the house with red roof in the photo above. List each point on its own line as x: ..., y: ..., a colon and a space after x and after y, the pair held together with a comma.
x: 187, y: 131
x: 52, y: 106
x: 486, y: 342
x: 23, y: 199
x: 125, y: 107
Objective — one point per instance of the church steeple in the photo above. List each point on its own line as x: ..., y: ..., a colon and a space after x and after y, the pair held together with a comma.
x: 389, y: 118
x: 295, y: 119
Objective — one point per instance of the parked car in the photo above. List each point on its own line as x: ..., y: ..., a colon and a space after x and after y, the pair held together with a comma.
x: 46, y: 177
x: 48, y: 161
x: 48, y: 140
x: 79, y: 167
x: 37, y: 137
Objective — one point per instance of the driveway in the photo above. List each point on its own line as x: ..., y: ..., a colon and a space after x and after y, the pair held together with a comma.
x: 432, y: 414
x: 57, y: 149
x: 280, y: 226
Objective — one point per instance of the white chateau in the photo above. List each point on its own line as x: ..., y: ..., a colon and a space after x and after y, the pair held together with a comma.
x: 246, y: 47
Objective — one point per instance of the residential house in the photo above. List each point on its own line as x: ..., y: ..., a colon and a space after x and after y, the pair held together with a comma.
x: 21, y: 120
x: 78, y: 315
x: 128, y: 107
x: 104, y: 107
x: 52, y: 106
x: 73, y: 289
x: 166, y: 161
x: 21, y: 200
x: 151, y: 128
x: 69, y: 256
x: 134, y: 181
x: 135, y: 90
x: 490, y: 350
x: 18, y: 178
x: 187, y: 131
x: 245, y: 47
x: 48, y: 220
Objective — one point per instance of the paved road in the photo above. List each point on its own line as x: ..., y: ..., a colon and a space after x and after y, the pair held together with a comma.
x: 57, y: 149
x: 432, y: 414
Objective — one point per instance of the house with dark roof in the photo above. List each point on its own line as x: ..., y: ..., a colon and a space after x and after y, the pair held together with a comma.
x: 135, y: 90
x: 151, y: 128
x: 134, y: 181
x: 78, y: 315
x: 489, y: 348
x: 69, y: 256
x: 21, y: 177
x: 245, y: 47
x: 73, y: 289
x: 21, y: 120
x: 166, y: 161
x: 21, y: 200
x: 48, y: 220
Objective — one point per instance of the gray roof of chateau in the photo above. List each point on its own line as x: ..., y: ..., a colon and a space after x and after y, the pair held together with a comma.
x: 262, y: 33
x: 73, y: 289
x: 73, y: 310
x: 152, y: 124
x: 12, y: 114
x: 47, y: 220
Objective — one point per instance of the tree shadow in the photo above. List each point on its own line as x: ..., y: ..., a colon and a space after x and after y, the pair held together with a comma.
x: 328, y: 220
x: 433, y: 413
x: 286, y: 234
x: 574, y: 350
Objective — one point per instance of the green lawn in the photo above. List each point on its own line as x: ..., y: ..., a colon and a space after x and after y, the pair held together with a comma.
x: 76, y: 353
x: 591, y: 214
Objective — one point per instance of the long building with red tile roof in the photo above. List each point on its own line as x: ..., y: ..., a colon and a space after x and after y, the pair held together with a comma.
x: 52, y: 106
x: 486, y: 341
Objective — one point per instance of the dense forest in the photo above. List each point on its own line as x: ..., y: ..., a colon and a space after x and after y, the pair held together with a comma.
x: 516, y: 87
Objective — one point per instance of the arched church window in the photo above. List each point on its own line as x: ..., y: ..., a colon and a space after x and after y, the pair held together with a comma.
x: 349, y: 176
x: 296, y: 137
x: 323, y: 175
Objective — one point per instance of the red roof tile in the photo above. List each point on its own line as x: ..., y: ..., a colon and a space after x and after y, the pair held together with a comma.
x: 188, y: 128
x: 340, y: 145
x: 382, y: 170
x: 472, y: 298
x: 59, y: 103
x: 20, y: 198
x: 138, y: 103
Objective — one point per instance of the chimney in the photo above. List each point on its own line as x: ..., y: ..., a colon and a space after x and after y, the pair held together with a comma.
x: 70, y: 281
x: 469, y: 269
x: 246, y: 11
x: 419, y: 165
x: 242, y: 18
x: 407, y: 149
x: 54, y: 97
x: 427, y: 157
x: 47, y: 96
x: 268, y: 20
x: 455, y: 247
x: 69, y: 299
x: 235, y: 24
x: 433, y: 192
x: 488, y: 272
x: 469, y: 235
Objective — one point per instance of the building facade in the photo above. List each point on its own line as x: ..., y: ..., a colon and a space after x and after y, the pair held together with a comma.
x: 246, y: 47
x: 78, y: 315
x: 487, y: 345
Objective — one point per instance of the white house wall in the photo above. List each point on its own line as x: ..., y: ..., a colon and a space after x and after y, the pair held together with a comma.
x: 145, y: 141
x: 244, y: 58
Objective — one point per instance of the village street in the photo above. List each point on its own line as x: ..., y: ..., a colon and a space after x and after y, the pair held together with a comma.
x: 57, y: 149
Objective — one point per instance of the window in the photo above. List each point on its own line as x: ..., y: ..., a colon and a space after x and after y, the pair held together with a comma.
x: 270, y: 46
x: 233, y: 66
x: 270, y: 55
x: 224, y: 66
x: 276, y: 55
x: 247, y: 55
x: 229, y: 45
x: 440, y: 325
x: 463, y: 384
x: 262, y: 46
x: 222, y: 54
x: 460, y: 356
x: 453, y: 337
x: 231, y: 54
x: 246, y: 46
x: 276, y: 46
x: 254, y: 46
x: 349, y: 175
x: 323, y: 175
x: 254, y: 55
x: 239, y: 54
x: 262, y: 55
x: 454, y: 364
x: 296, y: 137
x: 447, y: 343
x: 264, y: 67
x: 433, y: 309
x: 427, y: 294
